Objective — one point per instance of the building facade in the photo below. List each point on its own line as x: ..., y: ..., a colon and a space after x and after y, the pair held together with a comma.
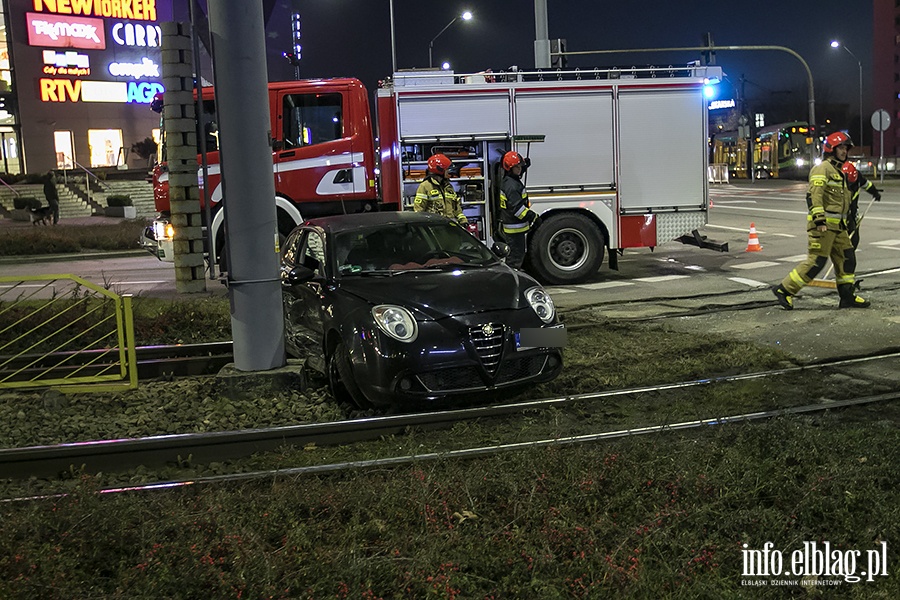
x: 76, y: 81
x: 886, y: 71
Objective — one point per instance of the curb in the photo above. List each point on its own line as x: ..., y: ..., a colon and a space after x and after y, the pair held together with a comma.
x: 39, y: 258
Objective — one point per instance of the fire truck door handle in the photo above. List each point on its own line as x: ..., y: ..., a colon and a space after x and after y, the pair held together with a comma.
x: 344, y: 176
x: 287, y: 154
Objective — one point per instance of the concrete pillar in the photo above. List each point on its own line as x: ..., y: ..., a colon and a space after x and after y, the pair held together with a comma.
x: 181, y: 157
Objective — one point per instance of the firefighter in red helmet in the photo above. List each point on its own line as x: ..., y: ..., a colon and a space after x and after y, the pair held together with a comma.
x: 436, y: 194
x: 516, y: 216
x: 857, y: 182
x: 829, y: 199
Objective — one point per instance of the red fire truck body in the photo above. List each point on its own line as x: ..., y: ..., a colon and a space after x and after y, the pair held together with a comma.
x: 619, y: 158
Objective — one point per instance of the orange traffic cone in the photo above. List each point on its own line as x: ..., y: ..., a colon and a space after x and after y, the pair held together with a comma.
x: 753, y: 242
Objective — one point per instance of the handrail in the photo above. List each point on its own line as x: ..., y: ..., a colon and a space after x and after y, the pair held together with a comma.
x: 87, y: 172
x: 14, y: 190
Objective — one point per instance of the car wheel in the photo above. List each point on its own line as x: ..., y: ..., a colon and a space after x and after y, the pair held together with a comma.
x: 566, y: 248
x: 340, y: 379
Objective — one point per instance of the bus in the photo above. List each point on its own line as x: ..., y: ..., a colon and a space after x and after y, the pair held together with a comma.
x: 787, y: 150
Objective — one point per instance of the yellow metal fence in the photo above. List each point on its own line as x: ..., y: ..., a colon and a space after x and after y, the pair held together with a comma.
x: 65, y: 332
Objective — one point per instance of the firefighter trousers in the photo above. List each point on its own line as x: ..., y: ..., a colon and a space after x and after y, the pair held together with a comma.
x: 823, y: 245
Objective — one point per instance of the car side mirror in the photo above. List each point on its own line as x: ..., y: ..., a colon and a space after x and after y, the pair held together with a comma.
x: 500, y: 249
x: 299, y: 274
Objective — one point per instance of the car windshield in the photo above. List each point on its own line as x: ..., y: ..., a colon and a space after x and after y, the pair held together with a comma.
x: 396, y: 247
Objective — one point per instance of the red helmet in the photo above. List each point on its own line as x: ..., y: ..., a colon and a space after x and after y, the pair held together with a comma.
x: 838, y: 138
x: 511, y: 159
x: 850, y: 171
x: 439, y: 163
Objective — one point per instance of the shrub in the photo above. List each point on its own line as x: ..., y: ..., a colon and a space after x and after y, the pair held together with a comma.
x: 21, y: 202
x: 118, y: 200
x: 145, y: 148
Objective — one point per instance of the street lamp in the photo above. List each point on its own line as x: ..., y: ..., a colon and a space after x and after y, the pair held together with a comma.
x: 837, y: 44
x: 465, y: 17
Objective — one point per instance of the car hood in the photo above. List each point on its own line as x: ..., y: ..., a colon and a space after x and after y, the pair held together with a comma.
x: 437, y: 294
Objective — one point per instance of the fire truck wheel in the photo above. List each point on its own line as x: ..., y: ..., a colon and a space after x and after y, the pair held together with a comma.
x: 566, y: 248
x: 340, y: 379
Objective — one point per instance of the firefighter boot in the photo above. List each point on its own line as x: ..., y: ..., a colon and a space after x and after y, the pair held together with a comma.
x: 785, y: 298
x: 849, y: 299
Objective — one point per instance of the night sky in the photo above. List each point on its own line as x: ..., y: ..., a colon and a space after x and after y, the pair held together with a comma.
x: 352, y: 38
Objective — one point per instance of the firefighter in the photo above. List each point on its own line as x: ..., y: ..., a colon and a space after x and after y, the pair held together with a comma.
x: 436, y: 194
x: 827, y: 228
x: 516, y: 216
x: 857, y: 182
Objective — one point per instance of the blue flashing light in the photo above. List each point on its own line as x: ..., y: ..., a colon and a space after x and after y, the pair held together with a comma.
x: 709, y: 91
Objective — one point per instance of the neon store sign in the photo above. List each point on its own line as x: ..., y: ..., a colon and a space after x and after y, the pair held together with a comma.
x: 134, y: 10
x: 76, y: 90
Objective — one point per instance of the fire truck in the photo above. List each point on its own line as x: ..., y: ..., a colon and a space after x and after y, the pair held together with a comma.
x: 618, y: 157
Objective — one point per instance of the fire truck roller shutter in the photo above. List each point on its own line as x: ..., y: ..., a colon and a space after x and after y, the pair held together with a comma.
x: 578, y: 147
x: 448, y: 116
x: 662, y: 148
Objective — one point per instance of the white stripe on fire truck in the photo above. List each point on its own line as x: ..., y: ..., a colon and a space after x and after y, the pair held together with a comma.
x: 304, y: 163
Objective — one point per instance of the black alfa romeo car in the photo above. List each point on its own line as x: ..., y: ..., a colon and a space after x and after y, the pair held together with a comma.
x: 400, y: 307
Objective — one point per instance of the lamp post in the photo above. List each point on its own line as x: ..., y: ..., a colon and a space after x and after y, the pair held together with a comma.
x: 393, y: 43
x: 464, y: 16
x: 837, y: 44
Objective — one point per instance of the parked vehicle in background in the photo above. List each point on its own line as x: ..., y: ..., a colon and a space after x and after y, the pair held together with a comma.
x: 621, y: 163
x: 383, y: 304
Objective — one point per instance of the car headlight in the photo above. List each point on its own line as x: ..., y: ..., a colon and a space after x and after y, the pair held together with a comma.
x: 395, y: 321
x: 541, y: 302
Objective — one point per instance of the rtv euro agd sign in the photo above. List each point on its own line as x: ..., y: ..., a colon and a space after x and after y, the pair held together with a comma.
x: 813, y: 564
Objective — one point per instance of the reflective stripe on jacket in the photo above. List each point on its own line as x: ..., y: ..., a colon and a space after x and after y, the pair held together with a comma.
x: 436, y: 196
x: 514, y: 205
x: 829, y: 195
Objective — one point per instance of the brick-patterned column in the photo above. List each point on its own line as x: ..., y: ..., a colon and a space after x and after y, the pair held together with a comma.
x: 181, y: 157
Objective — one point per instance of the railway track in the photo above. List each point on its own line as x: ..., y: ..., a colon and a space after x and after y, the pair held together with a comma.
x: 111, y: 455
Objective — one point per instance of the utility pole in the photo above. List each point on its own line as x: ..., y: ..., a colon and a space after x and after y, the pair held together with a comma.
x: 541, y: 36
x: 245, y: 142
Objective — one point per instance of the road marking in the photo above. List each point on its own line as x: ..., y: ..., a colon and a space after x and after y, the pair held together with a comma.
x: 886, y: 247
x: 661, y: 278
x: 756, y: 265
x: 604, y: 284
x: 136, y: 282
x: 795, y: 258
x: 556, y: 290
x: 748, y: 282
x: 887, y: 243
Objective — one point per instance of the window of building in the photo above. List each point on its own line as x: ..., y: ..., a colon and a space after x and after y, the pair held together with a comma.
x: 106, y: 147
x: 64, y: 144
x: 9, y: 151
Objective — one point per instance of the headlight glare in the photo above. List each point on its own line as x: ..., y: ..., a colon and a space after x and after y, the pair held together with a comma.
x: 541, y: 303
x: 396, y: 321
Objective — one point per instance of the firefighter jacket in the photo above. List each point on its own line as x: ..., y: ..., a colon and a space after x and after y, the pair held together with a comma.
x: 516, y: 215
x: 436, y: 195
x: 829, y: 196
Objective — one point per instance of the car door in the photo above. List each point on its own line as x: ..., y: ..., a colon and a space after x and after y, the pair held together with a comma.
x: 302, y: 301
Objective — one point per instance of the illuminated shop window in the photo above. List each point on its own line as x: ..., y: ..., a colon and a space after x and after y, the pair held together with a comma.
x: 106, y: 147
x: 9, y: 151
x: 64, y: 145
